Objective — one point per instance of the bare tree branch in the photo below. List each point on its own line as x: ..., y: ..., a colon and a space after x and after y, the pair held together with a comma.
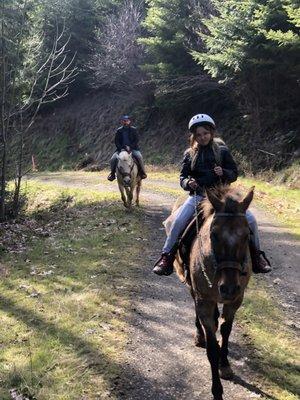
x: 119, y: 53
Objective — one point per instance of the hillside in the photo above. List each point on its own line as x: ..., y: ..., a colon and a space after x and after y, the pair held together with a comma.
x: 81, y: 132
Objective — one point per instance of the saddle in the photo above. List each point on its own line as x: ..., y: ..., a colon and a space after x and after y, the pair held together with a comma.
x: 187, y: 238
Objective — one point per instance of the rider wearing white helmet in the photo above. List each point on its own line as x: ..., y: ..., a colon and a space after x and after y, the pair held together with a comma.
x: 206, y: 164
x: 201, y: 119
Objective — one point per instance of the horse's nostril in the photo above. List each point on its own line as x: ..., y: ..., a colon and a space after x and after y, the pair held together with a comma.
x: 223, y: 289
x: 229, y: 290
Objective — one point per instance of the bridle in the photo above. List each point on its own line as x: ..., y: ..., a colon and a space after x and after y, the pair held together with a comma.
x: 241, y: 267
x: 125, y: 174
x: 218, y: 266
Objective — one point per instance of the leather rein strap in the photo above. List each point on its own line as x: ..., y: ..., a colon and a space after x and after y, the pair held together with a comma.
x: 124, y: 174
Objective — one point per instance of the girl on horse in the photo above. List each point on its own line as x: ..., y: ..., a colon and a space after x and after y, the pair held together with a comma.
x: 206, y: 164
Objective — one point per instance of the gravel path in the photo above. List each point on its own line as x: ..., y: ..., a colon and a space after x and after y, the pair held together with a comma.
x: 161, y: 362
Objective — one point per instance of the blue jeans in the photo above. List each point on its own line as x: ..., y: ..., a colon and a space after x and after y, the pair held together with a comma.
x: 186, y: 213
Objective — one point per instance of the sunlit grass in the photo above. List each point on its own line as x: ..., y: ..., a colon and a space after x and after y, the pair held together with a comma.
x: 63, y: 305
x: 281, y: 201
x: 275, y: 350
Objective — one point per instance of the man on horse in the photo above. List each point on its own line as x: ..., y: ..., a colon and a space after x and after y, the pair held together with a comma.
x: 126, y: 138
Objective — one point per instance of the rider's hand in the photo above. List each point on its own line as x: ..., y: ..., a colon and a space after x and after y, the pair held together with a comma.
x: 193, y: 184
x: 218, y: 171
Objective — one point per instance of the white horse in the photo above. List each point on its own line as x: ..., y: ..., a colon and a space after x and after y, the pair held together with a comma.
x: 128, y: 178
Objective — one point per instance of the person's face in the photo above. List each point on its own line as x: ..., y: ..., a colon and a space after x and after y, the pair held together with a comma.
x: 126, y: 122
x: 203, y: 135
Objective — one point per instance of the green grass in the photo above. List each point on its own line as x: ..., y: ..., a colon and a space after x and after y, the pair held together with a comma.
x: 275, y: 350
x: 64, y: 301
x: 280, y: 200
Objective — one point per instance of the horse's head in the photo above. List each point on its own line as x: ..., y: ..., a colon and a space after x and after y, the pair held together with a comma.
x: 125, y: 166
x: 229, y: 234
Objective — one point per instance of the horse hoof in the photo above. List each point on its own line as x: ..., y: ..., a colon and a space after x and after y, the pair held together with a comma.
x: 226, y: 373
x: 200, y: 341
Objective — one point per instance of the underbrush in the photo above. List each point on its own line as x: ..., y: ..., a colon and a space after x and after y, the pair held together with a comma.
x: 65, y: 294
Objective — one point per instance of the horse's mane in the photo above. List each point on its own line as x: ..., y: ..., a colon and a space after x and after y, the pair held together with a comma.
x: 124, y: 156
x: 230, y: 196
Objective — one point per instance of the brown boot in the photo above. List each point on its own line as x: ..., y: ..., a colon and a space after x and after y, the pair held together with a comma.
x: 164, y: 266
x: 260, y: 263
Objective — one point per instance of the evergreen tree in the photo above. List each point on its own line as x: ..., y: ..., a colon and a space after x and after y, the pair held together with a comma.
x: 256, y: 43
x: 170, y: 33
x: 249, y: 36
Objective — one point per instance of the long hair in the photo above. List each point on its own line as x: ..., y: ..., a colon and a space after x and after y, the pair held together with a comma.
x: 216, y: 142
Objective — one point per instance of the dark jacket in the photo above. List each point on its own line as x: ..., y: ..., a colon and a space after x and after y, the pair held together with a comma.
x: 133, y: 139
x: 201, y: 168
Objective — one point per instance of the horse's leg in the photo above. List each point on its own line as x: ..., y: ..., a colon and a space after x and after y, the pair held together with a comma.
x: 199, y: 336
x: 216, y: 316
x: 228, y: 314
x: 122, y: 191
x: 206, y: 311
x: 129, y: 197
x: 138, y: 189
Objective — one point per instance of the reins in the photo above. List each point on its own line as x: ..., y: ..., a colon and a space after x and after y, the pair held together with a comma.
x: 224, y: 264
x: 124, y: 174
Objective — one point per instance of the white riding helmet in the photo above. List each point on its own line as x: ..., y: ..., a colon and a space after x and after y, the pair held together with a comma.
x: 201, y: 119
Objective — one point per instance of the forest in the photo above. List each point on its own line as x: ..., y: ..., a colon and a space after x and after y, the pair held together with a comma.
x: 160, y: 61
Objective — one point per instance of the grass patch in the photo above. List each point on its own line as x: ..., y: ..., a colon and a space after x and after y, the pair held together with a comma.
x: 281, y: 201
x: 275, y: 347
x: 65, y: 297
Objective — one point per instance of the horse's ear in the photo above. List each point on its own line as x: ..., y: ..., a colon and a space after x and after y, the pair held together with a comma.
x: 247, y: 200
x: 214, y: 200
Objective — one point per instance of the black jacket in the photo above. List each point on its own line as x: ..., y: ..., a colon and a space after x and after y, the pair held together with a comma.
x: 201, y: 168
x: 132, y: 135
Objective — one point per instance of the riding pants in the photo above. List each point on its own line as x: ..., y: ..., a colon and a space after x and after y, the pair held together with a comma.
x: 186, y: 213
x: 136, y: 154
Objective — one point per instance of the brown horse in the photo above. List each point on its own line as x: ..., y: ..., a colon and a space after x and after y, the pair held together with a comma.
x: 219, y: 271
x: 128, y: 178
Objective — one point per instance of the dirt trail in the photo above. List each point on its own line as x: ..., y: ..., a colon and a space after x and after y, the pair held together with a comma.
x: 161, y: 360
